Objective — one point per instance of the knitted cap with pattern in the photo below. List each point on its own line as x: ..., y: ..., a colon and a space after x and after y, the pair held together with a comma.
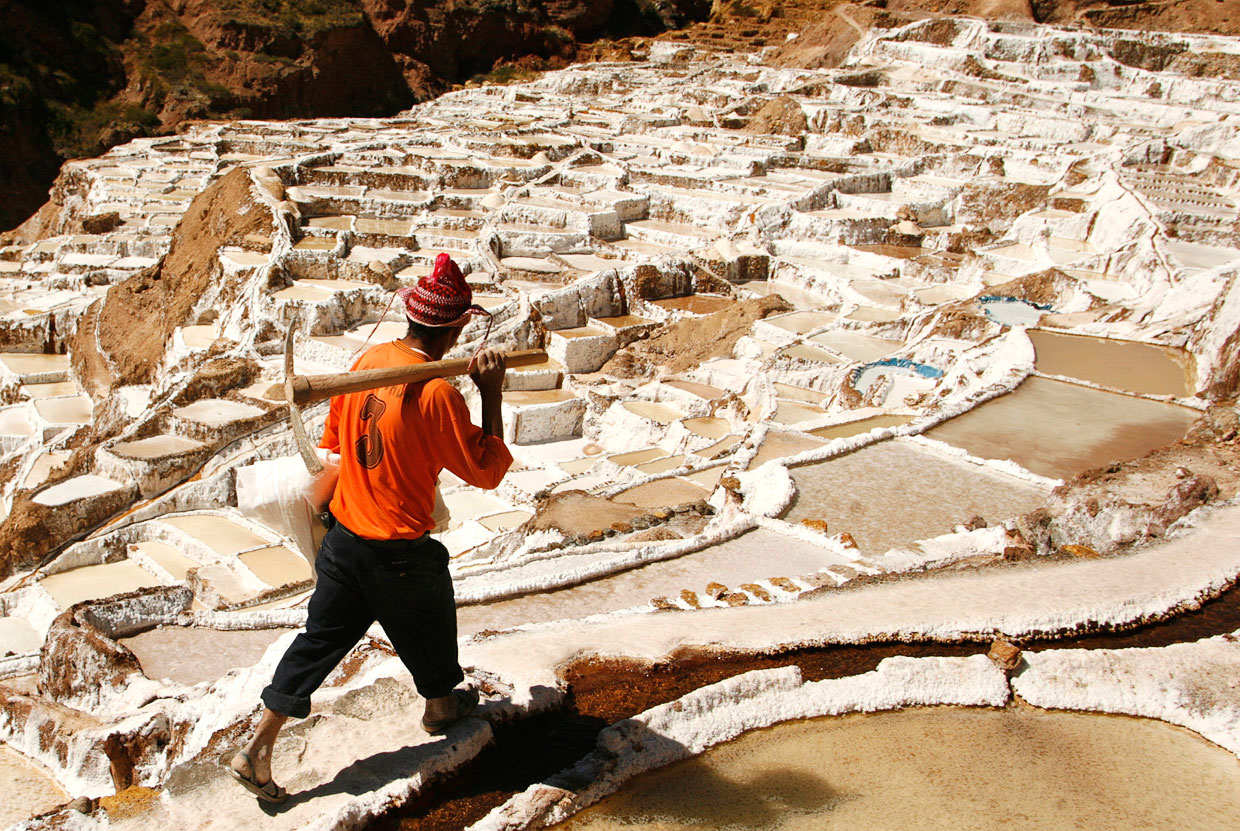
x: 441, y: 298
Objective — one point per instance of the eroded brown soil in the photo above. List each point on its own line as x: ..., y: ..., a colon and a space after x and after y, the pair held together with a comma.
x: 139, y: 315
x: 683, y: 345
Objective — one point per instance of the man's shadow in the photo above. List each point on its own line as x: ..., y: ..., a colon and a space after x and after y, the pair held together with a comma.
x: 370, y: 774
x: 691, y: 792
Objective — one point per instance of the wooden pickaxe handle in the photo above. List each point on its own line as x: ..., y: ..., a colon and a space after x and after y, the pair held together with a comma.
x: 310, y: 388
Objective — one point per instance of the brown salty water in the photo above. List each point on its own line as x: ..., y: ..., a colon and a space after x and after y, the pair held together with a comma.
x: 941, y: 768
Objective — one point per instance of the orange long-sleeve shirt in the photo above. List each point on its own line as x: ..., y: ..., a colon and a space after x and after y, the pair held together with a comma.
x: 392, y: 448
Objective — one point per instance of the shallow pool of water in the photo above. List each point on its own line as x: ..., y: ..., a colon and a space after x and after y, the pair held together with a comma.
x: 856, y: 346
x: 95, y: 582
x: 896, y: 492
x: 1059, y: 429
x: 1010, y: 311
x: 955, y: 769
x: 219, y: 533
x: 863, y: 425
x: 700, y: 304
x: 277, y: 566
x: 1124, y: 365
x: 704, y: 391
x: 777, y: 445
x: 659, y: 413
x: 662, y: 493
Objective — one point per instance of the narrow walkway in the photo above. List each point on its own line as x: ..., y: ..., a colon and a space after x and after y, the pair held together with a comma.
x: 340, y: 766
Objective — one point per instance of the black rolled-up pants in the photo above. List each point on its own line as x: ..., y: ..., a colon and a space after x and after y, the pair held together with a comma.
x: 404, y: 584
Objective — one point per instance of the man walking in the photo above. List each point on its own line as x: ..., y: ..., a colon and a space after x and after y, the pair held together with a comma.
x: 379, y: 562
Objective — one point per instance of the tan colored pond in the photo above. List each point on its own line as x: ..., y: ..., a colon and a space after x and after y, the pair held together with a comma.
x: 805, y: 352
x: 155, y: 447
x: 28, y: 789
x: 221, y: 534
x: 16, y: 421
x: 777, y: 445
x: 1124, y: 365
x: 700, y: 304
x: 277, y: 566
x: 659, y: 413
x: 801, y: 322
x: 95, y: 582
x: 856, y: 346
x: 942, y: 768
x: 662, y: 493
x: 33, y: 363
x: 75, y: 409
x: 863, y: 425
x: 896, y: 492
x: 709, y: 427
x: 168, y: 557
x: 1059, y: 429
x: 190, y: 655
x: 637, y: 457
x: 794, y: 412
x: 661, y: 465
x: 705, y: 391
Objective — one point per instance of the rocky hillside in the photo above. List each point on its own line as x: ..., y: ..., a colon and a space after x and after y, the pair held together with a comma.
x: 80, y: 76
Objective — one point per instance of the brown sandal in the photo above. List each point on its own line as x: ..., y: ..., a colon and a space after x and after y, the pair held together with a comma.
x: 268, y: 791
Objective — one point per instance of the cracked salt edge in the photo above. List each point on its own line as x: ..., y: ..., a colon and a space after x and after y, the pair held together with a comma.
x: 1189, y: 402
x: 1195, y: 685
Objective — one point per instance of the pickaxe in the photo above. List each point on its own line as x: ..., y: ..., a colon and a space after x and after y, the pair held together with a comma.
x: 307, y: 389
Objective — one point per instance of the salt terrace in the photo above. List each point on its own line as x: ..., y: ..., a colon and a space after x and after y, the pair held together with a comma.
x: 1005, y: 258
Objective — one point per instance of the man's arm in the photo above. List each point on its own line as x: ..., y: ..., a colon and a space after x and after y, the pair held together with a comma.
x: 488, y: 375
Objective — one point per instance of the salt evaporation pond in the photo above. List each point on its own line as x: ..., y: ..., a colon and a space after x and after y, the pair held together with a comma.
x: 1059, y: 429
x: 947, y: 768
x: 757, y: 555
x: 1126, y: 365
x: 894, y: 492
x: 864, y: 425
x: 97, y: 581
x: 189, y: 655
x: 1011, y: 311
x: 26, y: 787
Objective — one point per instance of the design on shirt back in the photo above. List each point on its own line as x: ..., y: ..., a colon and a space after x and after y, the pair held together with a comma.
x: 369, y: 445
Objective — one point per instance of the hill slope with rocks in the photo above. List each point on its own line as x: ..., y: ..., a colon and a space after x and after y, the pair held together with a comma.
x: 80, y: 77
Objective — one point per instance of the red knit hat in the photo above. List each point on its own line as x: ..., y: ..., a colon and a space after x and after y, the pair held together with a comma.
x: 441, y: 298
